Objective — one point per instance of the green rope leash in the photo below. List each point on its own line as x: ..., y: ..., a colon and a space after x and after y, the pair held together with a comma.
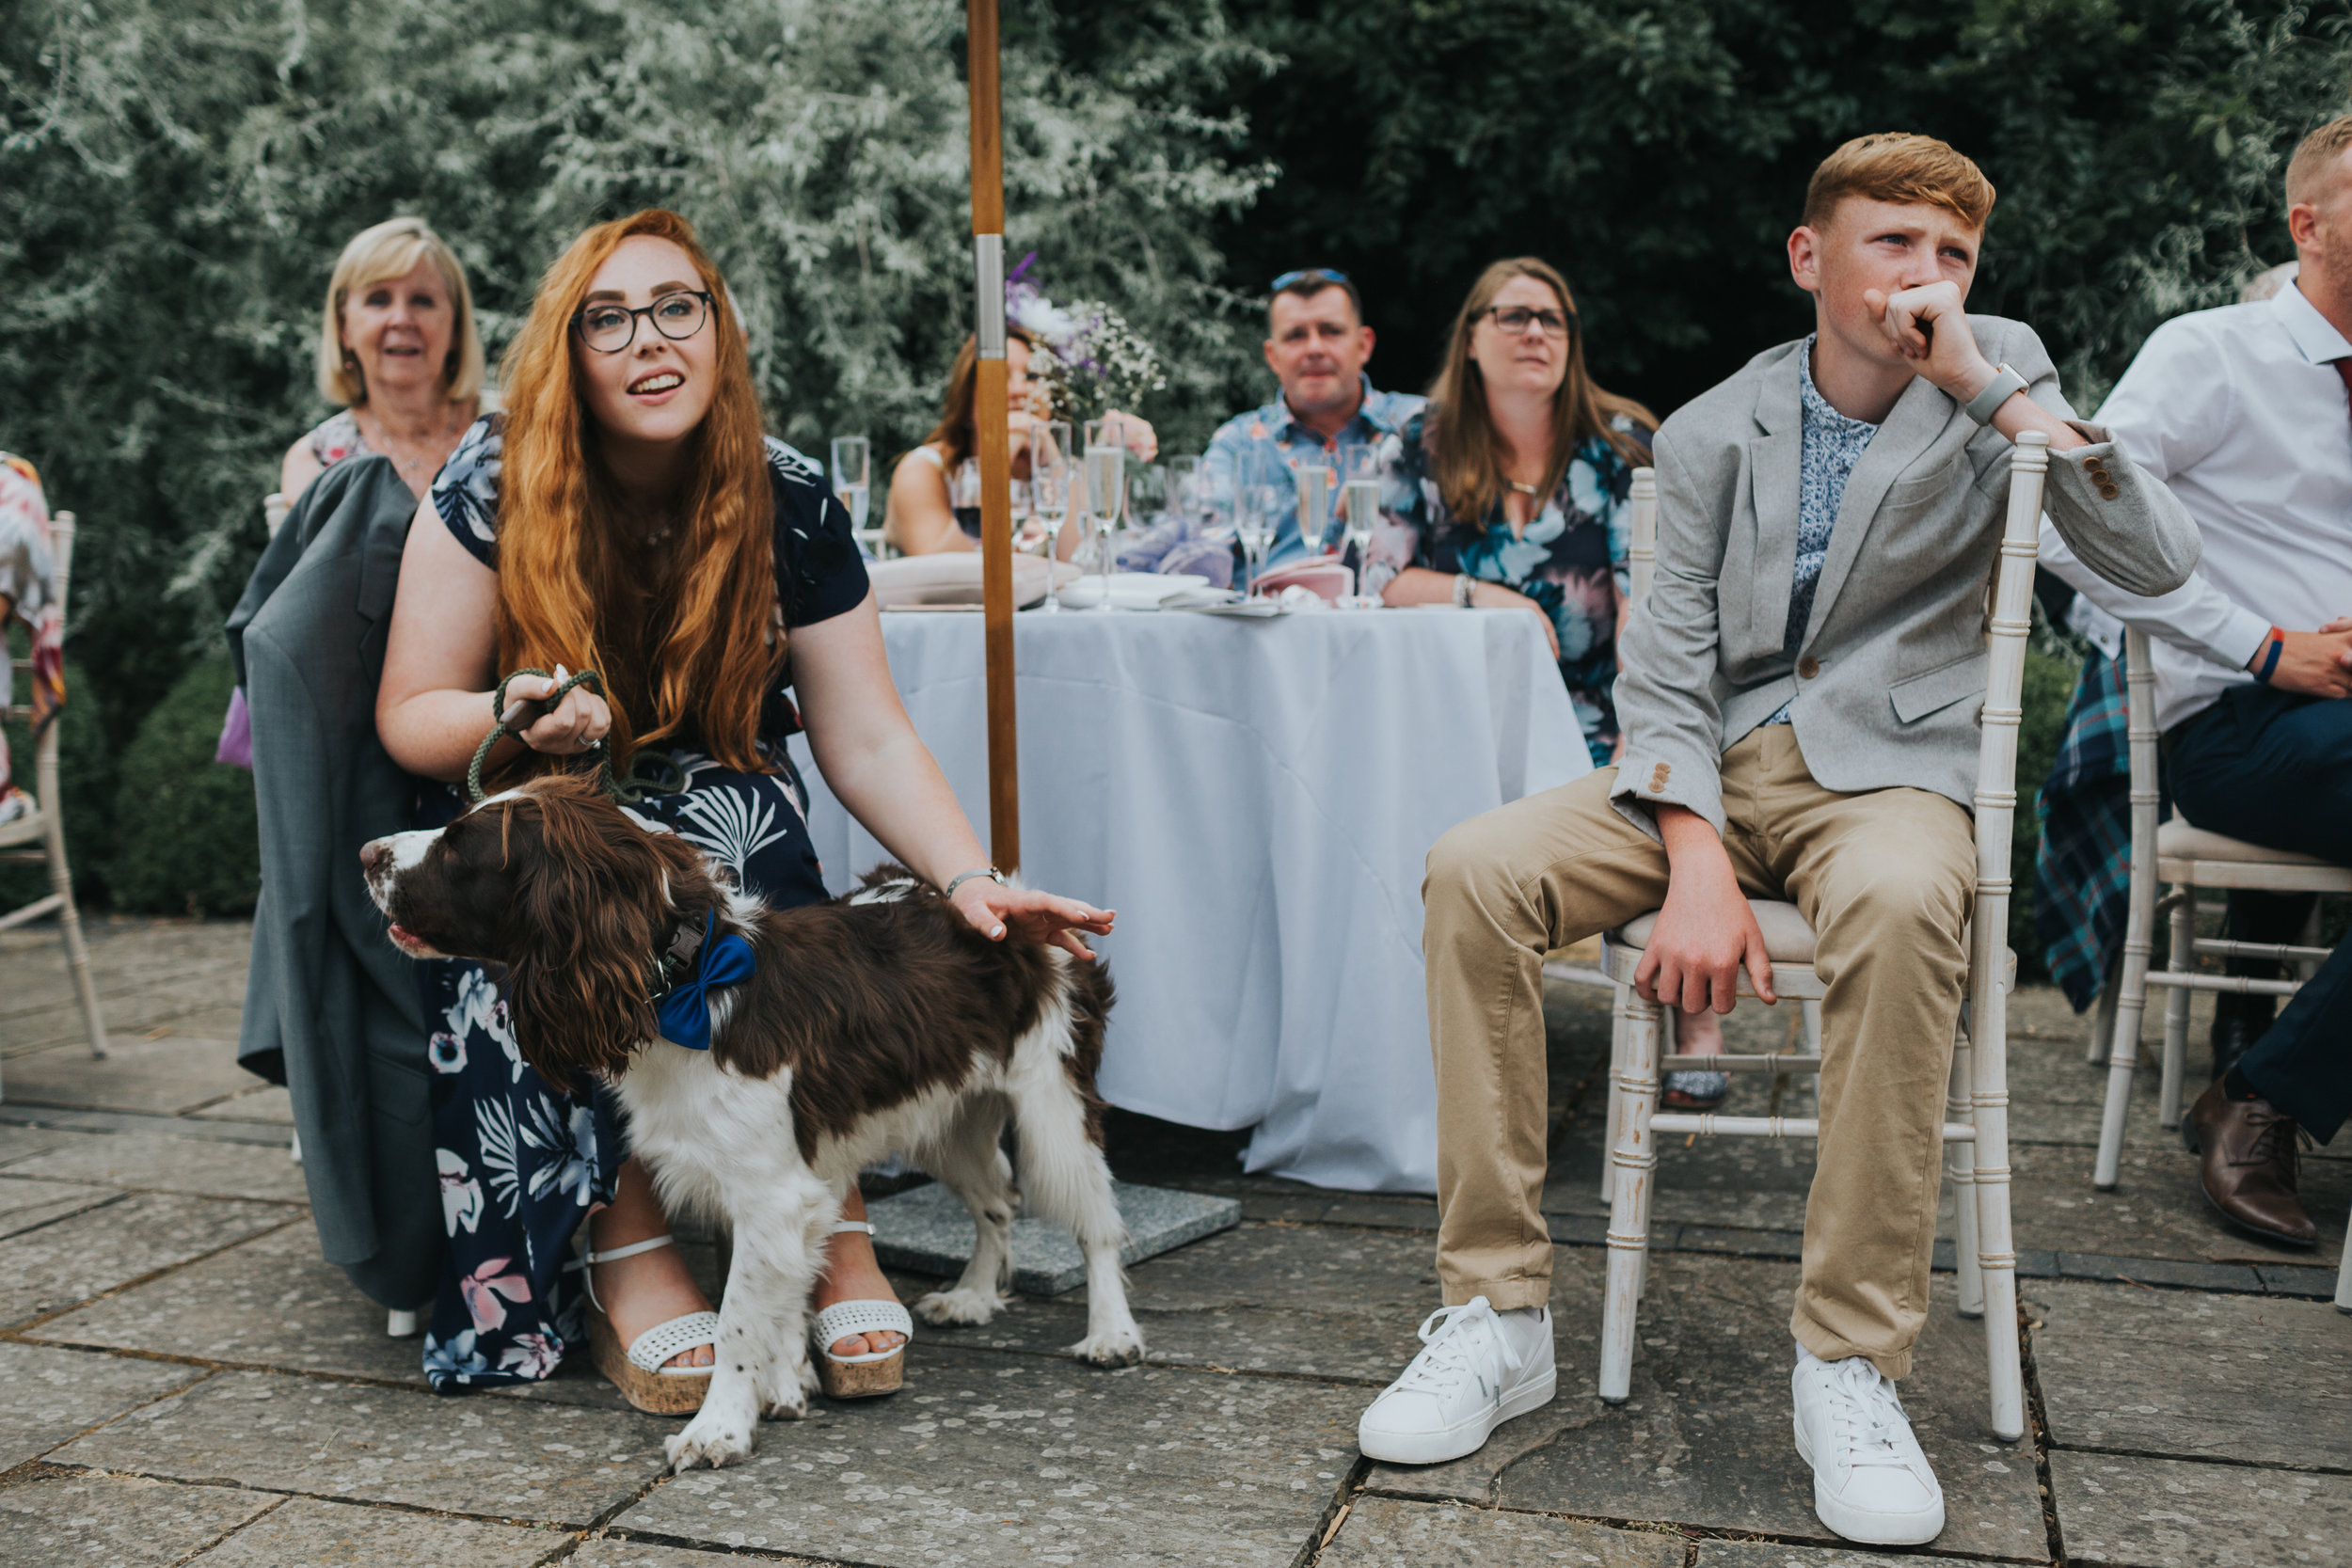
x: 647, y: 773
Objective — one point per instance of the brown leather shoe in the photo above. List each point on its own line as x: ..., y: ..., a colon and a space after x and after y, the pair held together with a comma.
x: 2249, y: 1166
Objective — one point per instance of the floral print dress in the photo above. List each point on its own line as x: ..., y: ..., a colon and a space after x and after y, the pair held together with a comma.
x: 1571, y: 560
x: 521, y: 1166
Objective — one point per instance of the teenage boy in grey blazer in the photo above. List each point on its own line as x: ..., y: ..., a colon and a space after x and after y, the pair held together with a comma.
x: 1799, y: 697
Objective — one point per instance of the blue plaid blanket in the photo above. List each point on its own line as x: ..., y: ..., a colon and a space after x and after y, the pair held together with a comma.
x: 2083, y: 870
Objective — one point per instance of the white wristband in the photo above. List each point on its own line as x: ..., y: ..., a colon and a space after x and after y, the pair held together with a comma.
x: 2005, y: 385
x: 1463, y: 586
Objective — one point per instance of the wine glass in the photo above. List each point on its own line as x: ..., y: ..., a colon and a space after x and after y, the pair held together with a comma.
x: 1184, y: 495
x: 1049, y: 493
x: 852, y: 460
x: 1359, y: 503
x: 1311, y: 472
x: 1107, y: 489
x: 1256, y: 510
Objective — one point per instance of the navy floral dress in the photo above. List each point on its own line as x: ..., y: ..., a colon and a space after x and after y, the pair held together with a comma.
x: 1571, y: 560
x: 520, y: 1165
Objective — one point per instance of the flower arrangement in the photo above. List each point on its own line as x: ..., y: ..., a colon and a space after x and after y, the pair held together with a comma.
x: 1094, y: 361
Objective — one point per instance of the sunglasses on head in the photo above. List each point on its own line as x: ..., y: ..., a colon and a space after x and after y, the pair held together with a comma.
x: 1308, y: 275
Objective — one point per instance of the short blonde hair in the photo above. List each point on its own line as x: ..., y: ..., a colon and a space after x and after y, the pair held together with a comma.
x: 2313, y: 155
x: 392, y: 249
x: 1902, y: 168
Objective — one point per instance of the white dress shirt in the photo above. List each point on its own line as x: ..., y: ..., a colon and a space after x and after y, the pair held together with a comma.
x: 2241, y: 411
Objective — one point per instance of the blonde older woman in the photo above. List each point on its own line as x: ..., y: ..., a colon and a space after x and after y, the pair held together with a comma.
x: 398, y: 349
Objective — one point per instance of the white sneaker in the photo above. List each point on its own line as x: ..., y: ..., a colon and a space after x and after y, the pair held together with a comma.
x: 1871, y: 1483
x: 1469, y: 1378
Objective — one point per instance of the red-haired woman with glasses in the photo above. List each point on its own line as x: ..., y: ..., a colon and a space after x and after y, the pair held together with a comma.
x: 627, y: 513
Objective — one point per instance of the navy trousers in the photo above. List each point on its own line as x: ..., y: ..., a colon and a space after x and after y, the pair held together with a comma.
x: 2303, y: 1065
x: 2273, y: 769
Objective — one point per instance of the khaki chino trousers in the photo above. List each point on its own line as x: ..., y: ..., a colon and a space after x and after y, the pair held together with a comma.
x: 1885, y: 878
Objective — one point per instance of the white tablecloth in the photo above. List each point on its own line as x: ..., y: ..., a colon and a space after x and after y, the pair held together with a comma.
x: 1255, y: 800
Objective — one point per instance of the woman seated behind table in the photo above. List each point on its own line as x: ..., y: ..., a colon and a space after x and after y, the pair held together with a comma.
x: 626, y: 514
x: 399, y: 351
x: 1512, y: 488
x: 934, y: 503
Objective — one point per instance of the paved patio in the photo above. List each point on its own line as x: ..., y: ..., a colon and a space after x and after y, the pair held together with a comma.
x: 180, y: 1378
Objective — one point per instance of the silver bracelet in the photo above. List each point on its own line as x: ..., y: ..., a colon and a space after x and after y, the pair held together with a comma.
x: 956, y: 882
x: 1463, y: 586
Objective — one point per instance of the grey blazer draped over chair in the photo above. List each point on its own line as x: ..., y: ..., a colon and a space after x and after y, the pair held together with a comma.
x: 327, y: 992
x: 1888, y: 677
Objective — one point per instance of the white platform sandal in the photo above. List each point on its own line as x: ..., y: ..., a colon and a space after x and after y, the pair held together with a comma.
x: 638, y: 1372
x: 859, y: 1377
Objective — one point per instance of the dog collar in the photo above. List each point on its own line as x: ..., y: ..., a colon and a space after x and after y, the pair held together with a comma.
x: 683, y: 1002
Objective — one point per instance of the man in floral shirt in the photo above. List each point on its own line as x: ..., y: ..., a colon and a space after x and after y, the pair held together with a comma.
x: 1317, y: 345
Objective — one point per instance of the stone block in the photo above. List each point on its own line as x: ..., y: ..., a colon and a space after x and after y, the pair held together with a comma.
x: 1386, y: 1533
x: 2194, y: 1377
x: 152, y: 1162
x: 169, y: 1075
x: 2177, y: 1514
x: 612, y: 1552
x: 1705, y: 1440
x: 48, y: 1396
x: 66, y: 1264
x: 928, y: 1230
x: 261, y: 1103
x: 29, y: 1205
x: 1304, y: 1300
x: 50, y: 1517
x: 19, y: 1143
x: 506, y: 1459
x: 1714, y: 1552
x: 1011, y: 1460
x: 308, y: 1533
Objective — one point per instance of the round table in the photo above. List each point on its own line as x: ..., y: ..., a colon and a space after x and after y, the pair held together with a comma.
x: 1255, y: 799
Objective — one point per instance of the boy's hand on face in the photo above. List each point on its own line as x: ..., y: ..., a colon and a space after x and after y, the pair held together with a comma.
x: 1929, y: 326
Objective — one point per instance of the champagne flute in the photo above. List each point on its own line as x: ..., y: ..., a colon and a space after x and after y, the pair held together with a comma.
x: 1107, y: 489
x: 1359, y: 504
x: 1255, y: 509
x: 1311, y: 472
x: 1049, y: 493
x: 852, y: 459
x: 1185, y: 494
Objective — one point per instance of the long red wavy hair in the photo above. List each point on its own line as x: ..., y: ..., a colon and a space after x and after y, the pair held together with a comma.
x: 704, y: 653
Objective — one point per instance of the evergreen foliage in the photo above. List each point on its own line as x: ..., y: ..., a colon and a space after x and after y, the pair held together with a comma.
x: 185, y: 828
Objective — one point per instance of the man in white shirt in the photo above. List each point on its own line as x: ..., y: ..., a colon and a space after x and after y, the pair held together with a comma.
x: 2243, y: 412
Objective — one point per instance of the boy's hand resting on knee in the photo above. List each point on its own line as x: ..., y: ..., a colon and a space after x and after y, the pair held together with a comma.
x: 1705, y: 931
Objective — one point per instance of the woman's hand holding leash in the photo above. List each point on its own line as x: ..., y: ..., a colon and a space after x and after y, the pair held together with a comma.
x: 571, y: 726
x: 990, y: 908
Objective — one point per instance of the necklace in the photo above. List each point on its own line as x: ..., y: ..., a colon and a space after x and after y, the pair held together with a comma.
x: 1522, y: 489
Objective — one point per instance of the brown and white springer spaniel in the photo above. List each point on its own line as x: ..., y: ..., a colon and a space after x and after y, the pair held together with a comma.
x: 875, y: 1023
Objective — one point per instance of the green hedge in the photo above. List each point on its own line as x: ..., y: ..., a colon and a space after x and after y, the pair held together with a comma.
x: 2049, y: 687
x: 186, y: 834
x: 86, y: 775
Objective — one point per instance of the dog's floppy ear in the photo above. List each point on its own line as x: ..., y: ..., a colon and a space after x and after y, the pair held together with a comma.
x: 599, y: 900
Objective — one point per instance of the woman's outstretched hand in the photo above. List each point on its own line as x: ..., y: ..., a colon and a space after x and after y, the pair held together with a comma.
x: 996, y: 910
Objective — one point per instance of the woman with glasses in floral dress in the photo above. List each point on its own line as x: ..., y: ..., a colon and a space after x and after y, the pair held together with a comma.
x: 1511, y: 491
x: 626, y: 513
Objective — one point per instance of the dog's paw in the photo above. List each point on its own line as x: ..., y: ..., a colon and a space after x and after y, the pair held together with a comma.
x: 784, y: 1393
x: 1118, y: 1347
x: 710, y: 1440
x: 944, y: 1307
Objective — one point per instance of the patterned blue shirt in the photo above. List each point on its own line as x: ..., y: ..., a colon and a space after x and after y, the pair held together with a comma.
x: 1262, y: 446
x: 1831, y: 445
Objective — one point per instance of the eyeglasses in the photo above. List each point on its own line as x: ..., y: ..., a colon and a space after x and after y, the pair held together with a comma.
x: 610, y: 328
x: 1308, y: 275
x: 1513, y: 319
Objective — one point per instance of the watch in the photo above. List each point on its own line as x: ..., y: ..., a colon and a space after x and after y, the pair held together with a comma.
x: 1463, y: 586
x: 2005, y: 385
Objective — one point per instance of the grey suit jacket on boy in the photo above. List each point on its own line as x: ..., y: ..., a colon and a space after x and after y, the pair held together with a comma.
x: 1886, y: 679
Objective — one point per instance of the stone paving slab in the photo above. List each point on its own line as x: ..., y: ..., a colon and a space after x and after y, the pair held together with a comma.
x: 22, y: 1143
x: 152, y: 1163
x: 25, y: 1205
x: 607, y: 1552
x: 929, y: 1230
x: 48, y: 1397
x: 2258, y: 1380
x: 159, y: 1006
x: 268, y: 1102
x: 98, y: 1521
x: 1011, y: 1460
x: 1704, y: 1438
x: 75, y: 1260
x: 1326, y: 1302
x: 169, y: 1075
x: 2177, y: 1513
x: 1384, y: 1532
x: 306, y: 1533
x: 1714, y: 1552
x: 501, y: 1458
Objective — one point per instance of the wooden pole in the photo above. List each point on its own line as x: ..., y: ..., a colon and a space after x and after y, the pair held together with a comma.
x: 989, y: 416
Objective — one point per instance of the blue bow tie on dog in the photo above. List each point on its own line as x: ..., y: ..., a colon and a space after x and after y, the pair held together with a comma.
x: 684, y: 1009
